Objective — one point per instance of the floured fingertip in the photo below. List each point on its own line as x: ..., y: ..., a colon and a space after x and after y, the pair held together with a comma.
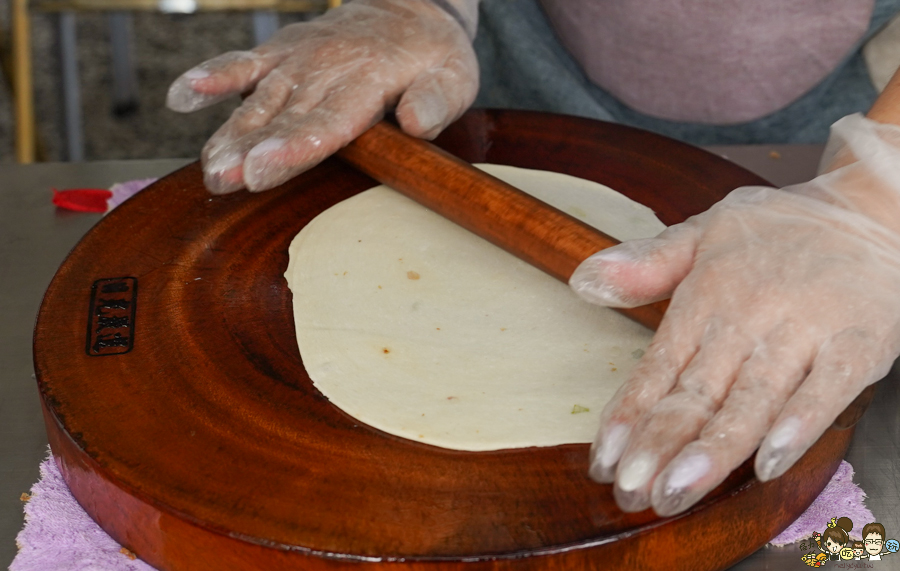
x: 196, y: 73
x: 591, y: 281
x: 184, y: 98
x: 780, y: 450
x: 222, y: 173
x: 606, y: 451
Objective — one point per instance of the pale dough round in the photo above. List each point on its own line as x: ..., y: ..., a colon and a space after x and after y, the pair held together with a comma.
x: 421, y: 329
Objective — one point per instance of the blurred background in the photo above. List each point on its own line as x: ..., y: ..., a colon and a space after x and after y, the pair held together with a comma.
x: 161, y: 46
x: 122, y: 62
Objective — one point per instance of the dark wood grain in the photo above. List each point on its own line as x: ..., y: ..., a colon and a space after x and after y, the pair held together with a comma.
x: 206, y: 447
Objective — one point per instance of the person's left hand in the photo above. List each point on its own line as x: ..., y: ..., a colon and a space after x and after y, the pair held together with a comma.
x: 786, y: 306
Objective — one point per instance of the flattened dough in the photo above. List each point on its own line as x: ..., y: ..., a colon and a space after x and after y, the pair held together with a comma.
x: 419, y: 328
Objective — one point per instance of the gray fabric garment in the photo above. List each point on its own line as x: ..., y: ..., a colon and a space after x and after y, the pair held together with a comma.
x: 745, y: 59
x: 523, y: 66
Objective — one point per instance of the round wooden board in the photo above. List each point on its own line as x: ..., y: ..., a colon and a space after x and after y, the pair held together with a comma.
x: 178, y: 407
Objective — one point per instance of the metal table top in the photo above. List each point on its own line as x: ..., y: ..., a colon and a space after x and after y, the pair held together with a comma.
x: 35, y: 238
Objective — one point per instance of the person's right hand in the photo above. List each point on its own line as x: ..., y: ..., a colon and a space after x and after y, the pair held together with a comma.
x: 318, y: 85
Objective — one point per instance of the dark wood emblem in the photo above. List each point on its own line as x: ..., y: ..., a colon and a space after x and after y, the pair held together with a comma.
x: 111, y: 316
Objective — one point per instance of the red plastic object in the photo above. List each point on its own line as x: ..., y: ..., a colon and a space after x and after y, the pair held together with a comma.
x: 82, y: 199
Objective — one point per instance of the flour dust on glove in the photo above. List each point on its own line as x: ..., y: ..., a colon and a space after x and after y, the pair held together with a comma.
x: 318, y: 85
x: 785, y: 305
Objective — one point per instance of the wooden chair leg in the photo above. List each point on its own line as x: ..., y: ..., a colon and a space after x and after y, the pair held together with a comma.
x: 23, y: 91
x: 6, y: 66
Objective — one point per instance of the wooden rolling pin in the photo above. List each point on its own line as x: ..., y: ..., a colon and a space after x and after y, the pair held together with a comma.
x: 527, y: 228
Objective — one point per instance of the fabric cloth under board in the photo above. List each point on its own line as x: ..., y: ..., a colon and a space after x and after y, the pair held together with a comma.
x: 60, y: 536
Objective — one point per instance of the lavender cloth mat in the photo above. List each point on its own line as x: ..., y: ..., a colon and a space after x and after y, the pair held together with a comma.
x: 840, y: 498
x: 60, y: 536
x: 124, y: 190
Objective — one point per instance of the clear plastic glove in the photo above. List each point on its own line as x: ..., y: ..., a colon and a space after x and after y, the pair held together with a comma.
x: 786, y: 305
x: 318, y: 85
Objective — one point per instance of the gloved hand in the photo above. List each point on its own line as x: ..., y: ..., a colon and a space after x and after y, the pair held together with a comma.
x: 318, y: 85
x: 786, y: 305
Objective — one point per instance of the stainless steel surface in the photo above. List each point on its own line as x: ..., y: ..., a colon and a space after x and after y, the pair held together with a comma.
x: 35, y: 237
